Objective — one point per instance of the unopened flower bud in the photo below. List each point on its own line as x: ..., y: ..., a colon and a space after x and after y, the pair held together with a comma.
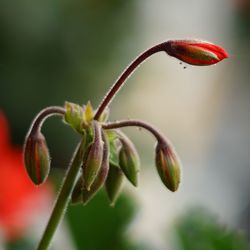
x: 129, y: 159
x: 74, y: 116
x: 168, y: 166
x: 92, y: 164
x: 99, y: 181
x: 114, y: 183
x: 196, y: 52
x: 36, y: 158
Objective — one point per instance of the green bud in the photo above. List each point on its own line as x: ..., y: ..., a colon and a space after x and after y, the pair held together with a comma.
x: 87, y: 195
x: 129, y: 159
x: 168, y: 166
x: 94, y: 156
x: 114, y: 183
x: 88, y: 113
x: 36, y: 158
x: 74, y: 116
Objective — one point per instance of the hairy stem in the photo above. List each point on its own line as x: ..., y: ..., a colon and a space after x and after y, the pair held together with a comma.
x: 43, y: 114
x: 136, y: 123
x: 63, y: 197
x: 127, y: 72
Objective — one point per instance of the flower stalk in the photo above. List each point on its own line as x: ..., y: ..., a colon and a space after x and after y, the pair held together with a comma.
x: 105, y: 156
x: 64, y: 197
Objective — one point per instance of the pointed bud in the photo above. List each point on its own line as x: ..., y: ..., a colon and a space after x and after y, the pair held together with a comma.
x: 76, y: 196
x: 129, y: 159
x: 88, y: 113
x: 168, y: 166
x: 114, y: 183
x: 196, y: 52
x: 101, y: 177
x: 36, y: 158
x: 92, y: 164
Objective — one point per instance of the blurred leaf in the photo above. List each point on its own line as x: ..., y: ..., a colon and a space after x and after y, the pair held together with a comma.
x: 23, y: 244
x: 198, y: 230
x: 97, y: 226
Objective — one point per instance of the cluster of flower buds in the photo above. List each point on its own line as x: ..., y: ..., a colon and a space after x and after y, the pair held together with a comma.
x: 105, y: 156
x: 109, y: 155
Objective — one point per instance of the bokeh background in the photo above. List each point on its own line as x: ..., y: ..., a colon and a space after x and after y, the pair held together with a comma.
x: 52, y: 51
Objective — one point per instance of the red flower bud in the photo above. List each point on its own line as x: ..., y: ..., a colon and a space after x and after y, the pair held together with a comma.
x: 36, y: 158
x: 196, y: 52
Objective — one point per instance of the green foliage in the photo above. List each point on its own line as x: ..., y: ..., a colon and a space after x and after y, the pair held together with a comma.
x: 199, y: 230
x: 97, y: 226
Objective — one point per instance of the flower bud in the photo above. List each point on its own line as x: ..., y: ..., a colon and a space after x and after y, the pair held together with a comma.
x: 196, y: 52
x: 36, y: 158
x: 74, y: 116
x: 93, y: 161
x: 88, y: 113
x: 168, y: 166
x: 99, y: 181
x: 114, y: 183
x: 129, y: 160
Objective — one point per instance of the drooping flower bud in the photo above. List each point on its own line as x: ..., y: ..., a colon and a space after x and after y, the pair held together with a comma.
x: 196, y: 52
x: 36, y: 157
x: 99, y: 181
x: 93, y: 161
x: 168, y: 166
x: 129, y: 159
x: 114, y: 183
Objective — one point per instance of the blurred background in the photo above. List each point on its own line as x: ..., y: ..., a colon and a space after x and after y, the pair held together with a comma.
x: 52, y: 51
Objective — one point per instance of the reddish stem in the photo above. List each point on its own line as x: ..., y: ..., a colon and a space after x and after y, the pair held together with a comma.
x: 126, y: 73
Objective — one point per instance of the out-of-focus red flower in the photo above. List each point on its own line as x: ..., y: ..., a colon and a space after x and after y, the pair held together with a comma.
x: 20, y: 200
x: 196, y: 52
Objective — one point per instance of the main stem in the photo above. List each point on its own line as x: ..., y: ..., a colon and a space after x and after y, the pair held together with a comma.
x: 63, y: 198
x: 127, y: 72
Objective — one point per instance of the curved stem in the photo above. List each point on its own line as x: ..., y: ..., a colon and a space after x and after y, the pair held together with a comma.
x: 127, y: 72
x: 63, y: 197
x: 43, y: 114
x: 135, y: 123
